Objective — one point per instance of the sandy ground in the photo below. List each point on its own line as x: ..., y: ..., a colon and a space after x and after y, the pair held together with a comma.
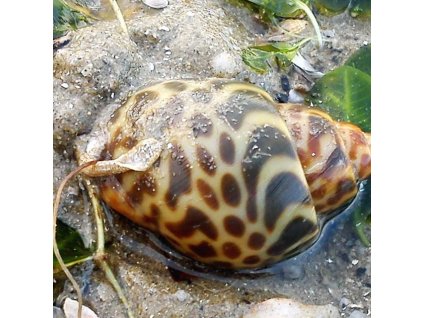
x: 99, y: 67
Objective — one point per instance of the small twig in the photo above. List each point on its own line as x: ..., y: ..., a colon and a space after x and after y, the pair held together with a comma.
x: 119, y: 16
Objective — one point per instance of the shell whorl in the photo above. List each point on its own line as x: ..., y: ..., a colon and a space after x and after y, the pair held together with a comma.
x: 229, y: 188
x: 334, y: 155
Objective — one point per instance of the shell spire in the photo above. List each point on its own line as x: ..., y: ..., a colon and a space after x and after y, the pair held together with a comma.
x: 334, y: 155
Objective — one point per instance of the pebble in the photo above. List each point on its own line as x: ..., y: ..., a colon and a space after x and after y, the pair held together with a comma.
x: 156, y: 4
x: 288, y: 308
x: 70, y: 307
x: 344, y: 302
x: 58, y: 313
x: 357, y: 314
x: 164, y: 28
x: 65, y: 85
x: 182, y: 295
x: 224, y: 64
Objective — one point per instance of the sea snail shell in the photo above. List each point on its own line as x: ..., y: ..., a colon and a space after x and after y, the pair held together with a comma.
x: 226, y: 175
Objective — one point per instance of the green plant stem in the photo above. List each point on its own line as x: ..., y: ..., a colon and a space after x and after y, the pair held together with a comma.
x: 100, y: 254
x: 78, y: 261
x: 112, y: 280
x: 312, y: 18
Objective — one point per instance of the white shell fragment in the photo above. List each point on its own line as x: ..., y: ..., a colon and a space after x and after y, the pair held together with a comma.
x: 70, y: 308
x: 288, y: 308
x: 304, y: 65
x: 156, y: 4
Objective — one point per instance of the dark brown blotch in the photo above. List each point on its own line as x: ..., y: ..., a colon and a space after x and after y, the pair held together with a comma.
x: 201, y: 126
x: 343, y: 188
x: 227, y: 148
x: 252, y: 208
x: 221, y: 264
x: 231, y: 250
x: 284, y: 190
x: 179, y: 175
x: 175, y: 86
x: 207, y: 193
x: 320, y: 192
x: 251, y: 260
x: 256, y: 241
x: 203, y: 249
x: 265, y: 143
x: 206, y: 161
x: 336, y: 159
x: 234, y: 225
x: 293, y: 232
x: 153, y: 218
x: 230, y: 190
x: 145, y: 183
x: 194, y: 220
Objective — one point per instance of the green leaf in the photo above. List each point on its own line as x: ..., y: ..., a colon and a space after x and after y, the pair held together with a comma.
x: 361, y: 59
x: 70, y: 245
x: 65, y: 18
x: 360, y: 8
x: 282, y: 8
x: 362, y: 214
x: 345, y: 93
x: 260, y: 57
x: 331, y: 7
x: 290, y: 9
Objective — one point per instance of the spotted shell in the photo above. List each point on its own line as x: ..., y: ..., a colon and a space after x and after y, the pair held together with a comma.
x: 226, y: 175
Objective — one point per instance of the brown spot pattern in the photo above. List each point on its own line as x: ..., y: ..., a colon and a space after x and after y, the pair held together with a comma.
x: 195, y: 220
x: 293, y: 232
x: 207, y: 194
x: 201, y: 126
x: 282, y: 191
x: 256, y: 241
x: 206, y: 161
x: 234, y: 225
x: 265, y: 143
x: 230, y: 190
x: 204, y: 249
x: 251, y: 260
x: 231, y: 250
x: 227, y: 148
x: 180, y: 176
